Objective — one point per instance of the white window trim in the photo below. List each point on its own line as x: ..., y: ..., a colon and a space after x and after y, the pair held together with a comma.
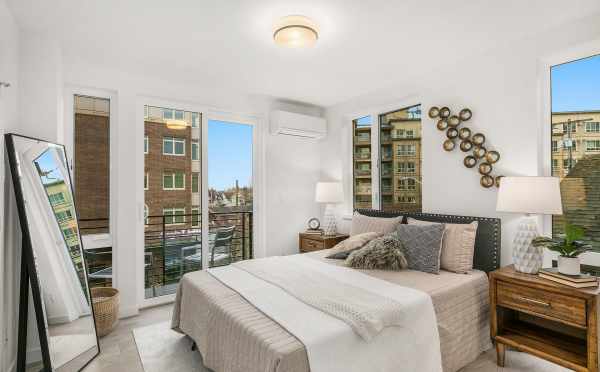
x: 146, y: 145
x: 173, y: 140
x: 195, y: 210
x: 173, y: 177
x: 207, y: 113
x: 197, y: 175
x: 195, y: 143
x: 348, y: 148
x: 582, y: 50
x: 174, y: 210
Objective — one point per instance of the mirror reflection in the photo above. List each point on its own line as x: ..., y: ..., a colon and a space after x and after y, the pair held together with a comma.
x: 58, y: 252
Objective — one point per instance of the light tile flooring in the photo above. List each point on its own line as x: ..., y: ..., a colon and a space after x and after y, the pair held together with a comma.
x: 119, y: 352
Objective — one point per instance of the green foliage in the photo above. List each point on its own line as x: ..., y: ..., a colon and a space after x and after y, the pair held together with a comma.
x: 568, y: 244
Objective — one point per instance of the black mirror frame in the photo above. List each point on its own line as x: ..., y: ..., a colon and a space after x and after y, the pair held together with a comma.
x: 28, y: 270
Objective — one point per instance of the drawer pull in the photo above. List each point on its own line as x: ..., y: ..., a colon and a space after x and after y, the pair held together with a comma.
x: 537, y: 302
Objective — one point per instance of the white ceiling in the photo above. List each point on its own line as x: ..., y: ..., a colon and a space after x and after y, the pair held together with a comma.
x: 364, y: 45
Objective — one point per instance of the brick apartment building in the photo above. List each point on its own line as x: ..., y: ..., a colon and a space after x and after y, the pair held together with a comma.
x: 91, y: 163
x: 171, y: 168
x: 576, y: 161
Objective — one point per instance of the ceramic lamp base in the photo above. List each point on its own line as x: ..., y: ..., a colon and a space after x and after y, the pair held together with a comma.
x: 329, y: 223
x: 527, y: 258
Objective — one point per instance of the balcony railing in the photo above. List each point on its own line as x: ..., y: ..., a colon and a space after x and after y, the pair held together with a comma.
x: 362, y: 172
x: 362, y: 155
x: 173, y: 249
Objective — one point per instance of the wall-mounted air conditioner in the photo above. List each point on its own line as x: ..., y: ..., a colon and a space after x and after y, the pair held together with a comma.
x: 292, y: 124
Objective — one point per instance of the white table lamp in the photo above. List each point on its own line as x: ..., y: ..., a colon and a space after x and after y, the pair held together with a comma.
x: 329, y: 193
x: 529, y: 195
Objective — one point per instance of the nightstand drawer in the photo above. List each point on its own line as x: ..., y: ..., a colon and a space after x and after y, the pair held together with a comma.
x: 552, y: 305
x: 309, y: 245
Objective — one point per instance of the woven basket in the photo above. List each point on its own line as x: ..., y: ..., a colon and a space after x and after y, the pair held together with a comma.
x: 106, y: 309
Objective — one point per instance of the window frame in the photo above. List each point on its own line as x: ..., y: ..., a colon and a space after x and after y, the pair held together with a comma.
x: 377, y: 168
x: 172, y: 175
x: 146, y: 181
x: 146, y: 145
x: 174, y: 141
x: 195, y: 150
x: 174, y: 215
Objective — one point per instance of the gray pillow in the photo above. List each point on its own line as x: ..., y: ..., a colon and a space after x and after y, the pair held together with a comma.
x: 422, y: 246
x: 342, y: 255
x: 384, y: 253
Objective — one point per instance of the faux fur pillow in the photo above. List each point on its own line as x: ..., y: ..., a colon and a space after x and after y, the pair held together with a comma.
x: 343, y: 248
x: 384, y: 253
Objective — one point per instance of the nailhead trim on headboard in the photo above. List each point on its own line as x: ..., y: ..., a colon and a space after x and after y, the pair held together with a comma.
x: 487, y: 240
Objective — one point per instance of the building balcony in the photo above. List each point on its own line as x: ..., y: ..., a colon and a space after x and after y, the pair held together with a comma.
x: 364, y: 140
x: 386, y: 157
x: 362, y: 190
x: 362, y: 156
x: 362, y: 173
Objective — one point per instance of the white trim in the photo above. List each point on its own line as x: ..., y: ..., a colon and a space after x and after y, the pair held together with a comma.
x: 66, y: 136
x: 173, y: 140
x: 146, y: 181
x: 374, y: 112
x: 174, y: 210
x: 173, y: 174
x: 146, y: 144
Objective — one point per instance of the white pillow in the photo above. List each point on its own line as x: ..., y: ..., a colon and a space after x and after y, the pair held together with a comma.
x: 384, y: 225
x: 458, y: 245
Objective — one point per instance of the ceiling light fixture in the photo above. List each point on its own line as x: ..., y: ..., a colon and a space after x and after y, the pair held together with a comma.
x: 177, y: 124
x: 295, y: 31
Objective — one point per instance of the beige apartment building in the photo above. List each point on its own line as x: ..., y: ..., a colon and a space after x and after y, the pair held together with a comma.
x: 400, y: 157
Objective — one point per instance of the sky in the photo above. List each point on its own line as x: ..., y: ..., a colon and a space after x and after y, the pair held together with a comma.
x: 47, y: 164
x: 576, y: 85
x: 229, y: 154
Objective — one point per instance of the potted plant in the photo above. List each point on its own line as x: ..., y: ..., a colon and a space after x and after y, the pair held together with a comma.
x: 569, y: 246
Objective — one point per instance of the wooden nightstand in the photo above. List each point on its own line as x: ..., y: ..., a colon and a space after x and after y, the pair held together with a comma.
x: 537, y: 316
x: 312, y: 242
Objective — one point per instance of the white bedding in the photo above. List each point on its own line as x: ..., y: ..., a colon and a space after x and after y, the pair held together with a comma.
x: 331, y: 344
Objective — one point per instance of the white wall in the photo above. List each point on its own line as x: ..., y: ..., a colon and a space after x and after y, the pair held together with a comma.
x: 502, y: 88
x: 289, y: 169
x: 9, y: 259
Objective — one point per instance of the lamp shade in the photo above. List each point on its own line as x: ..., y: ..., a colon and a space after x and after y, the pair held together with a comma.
x: 531, y: 195
x: 329, y: 192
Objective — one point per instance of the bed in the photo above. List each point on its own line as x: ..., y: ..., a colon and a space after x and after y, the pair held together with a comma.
x: 233, y: 335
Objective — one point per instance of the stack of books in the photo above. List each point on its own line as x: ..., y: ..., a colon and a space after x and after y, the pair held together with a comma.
x: 314, y: 232
x: 576, y: 281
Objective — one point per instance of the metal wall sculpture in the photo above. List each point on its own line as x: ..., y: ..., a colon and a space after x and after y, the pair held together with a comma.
x: 468, y: 142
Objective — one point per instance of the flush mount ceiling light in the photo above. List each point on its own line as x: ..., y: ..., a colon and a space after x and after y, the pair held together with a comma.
x: 295, y: 31
x: 176, y: 124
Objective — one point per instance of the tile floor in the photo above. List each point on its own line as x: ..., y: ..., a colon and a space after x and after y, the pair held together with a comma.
x: 119, y: 352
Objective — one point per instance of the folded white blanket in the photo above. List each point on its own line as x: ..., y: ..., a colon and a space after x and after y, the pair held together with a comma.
x: 366, y: 312
x: 331, y: 344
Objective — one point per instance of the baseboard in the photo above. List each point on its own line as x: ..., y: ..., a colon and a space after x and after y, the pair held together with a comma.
x: 126, y: 312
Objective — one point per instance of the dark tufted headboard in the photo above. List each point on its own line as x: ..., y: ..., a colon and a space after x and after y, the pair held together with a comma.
x: 487, y: 240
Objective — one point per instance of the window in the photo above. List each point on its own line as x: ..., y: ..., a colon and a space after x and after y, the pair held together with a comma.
x: 146, y: 214
x: 173, y: 146
x: 592, y: 127
x: 554, y: 146
x: 575, y: 120
x: 592, y: 145
x: 406, y: 150
x: 174, y: 216
x: 57, y: 198
x: 195, y: 182
x: 361, y: 135
x: 169, y: 114
x: 195, y: 150
x: 146, y: 181
x: 174, y: 181
x: 146, y: 145
x: 402, y: 153
x: 195, y: 120
x: 70, y: 232
x: 195, y: 217
x: 64, y: 216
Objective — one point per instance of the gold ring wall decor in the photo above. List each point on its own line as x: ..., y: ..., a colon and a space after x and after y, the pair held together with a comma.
x: 480, y: 156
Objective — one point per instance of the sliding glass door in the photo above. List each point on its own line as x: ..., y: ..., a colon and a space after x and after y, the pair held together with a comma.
x: 198, y: 195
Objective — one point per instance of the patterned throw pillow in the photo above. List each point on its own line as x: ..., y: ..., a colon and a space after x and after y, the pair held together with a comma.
x: 422, y: 246
x: 384, y: 253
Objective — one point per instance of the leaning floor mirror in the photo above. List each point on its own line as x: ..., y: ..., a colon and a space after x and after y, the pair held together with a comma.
x: 54, y: 265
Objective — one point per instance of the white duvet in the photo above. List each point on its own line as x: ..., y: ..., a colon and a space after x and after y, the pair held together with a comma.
x: 398, y: 333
